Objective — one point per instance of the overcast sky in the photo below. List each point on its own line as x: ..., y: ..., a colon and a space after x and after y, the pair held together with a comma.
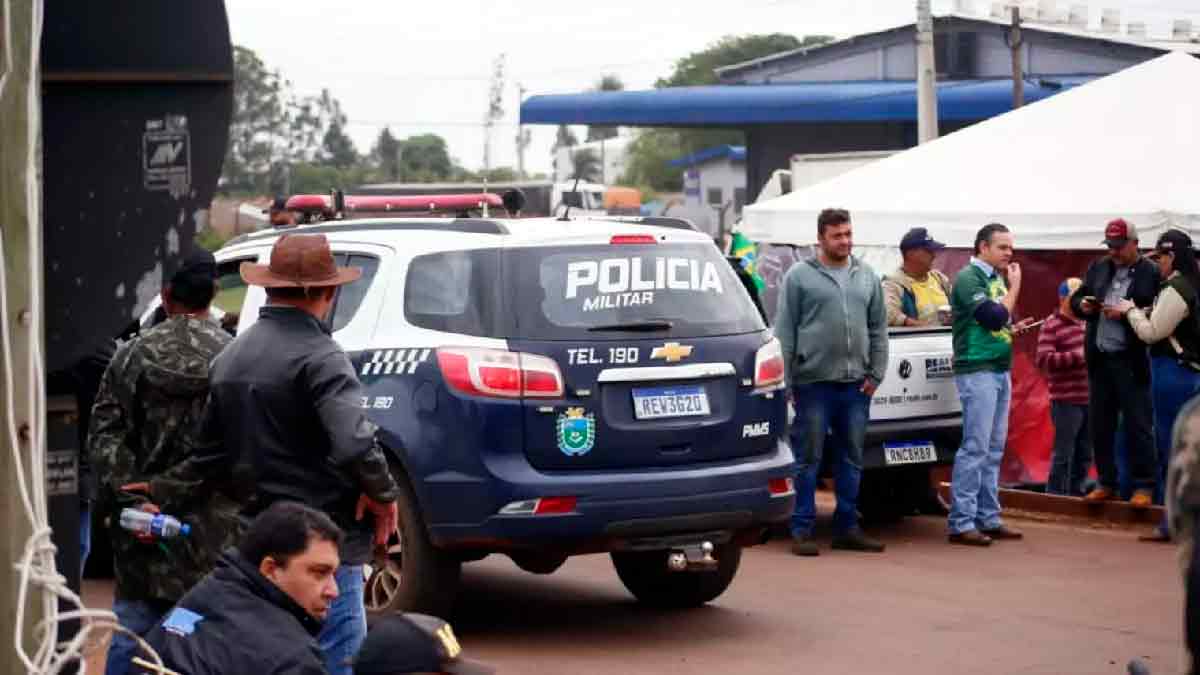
x: 423, y: 65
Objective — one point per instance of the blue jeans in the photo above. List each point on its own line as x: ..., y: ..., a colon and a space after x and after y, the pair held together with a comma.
x: 1072, y: 455
x: 345, y: 627
x: 841, y: 409
x: 85, y: 534
x: 1174, y: 386
x: 975, y: 485
x: 138, y: 617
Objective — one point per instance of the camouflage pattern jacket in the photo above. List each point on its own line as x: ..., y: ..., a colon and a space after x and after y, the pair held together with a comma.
x: 143, y: 423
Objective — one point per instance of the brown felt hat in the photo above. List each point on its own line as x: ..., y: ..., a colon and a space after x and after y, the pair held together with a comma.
x: 299, y: 261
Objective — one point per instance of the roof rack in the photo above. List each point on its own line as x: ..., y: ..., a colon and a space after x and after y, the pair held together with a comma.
x: 464, y: 225
x: 656, y: 221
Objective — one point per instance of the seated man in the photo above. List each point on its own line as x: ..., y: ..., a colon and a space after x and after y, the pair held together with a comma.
x: 400, y: 644
x: 916, y: 294
x: 262, y: 607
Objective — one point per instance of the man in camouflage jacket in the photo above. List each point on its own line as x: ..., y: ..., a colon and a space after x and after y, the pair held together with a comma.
x: 1183, y: 507
x: 142, y: 424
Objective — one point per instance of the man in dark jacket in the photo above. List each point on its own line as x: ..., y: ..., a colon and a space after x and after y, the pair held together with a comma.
x: 287, y: 403
x: 259, y: 611
x: 1118, y: 363
x: 143, y: 423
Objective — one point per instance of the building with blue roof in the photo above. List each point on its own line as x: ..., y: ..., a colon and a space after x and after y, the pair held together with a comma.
x: 860, y: 93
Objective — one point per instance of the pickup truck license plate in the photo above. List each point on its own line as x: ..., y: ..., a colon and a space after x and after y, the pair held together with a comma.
x: 659, y: 402
x: 909, y: 453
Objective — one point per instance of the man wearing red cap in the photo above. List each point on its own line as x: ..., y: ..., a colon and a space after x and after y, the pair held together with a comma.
x: 285, y: 402
x: 1118, y: 362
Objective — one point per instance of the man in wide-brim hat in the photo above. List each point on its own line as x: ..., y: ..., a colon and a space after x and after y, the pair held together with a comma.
x: 286, y: 402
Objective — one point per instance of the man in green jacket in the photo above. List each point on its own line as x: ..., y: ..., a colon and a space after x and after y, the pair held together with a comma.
x: 832, y: 326
x: 983, y: 306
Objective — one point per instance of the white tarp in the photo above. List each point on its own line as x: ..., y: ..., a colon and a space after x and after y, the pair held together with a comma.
x: 1126, y: 145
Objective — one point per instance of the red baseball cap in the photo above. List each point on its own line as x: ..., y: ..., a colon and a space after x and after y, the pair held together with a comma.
x: 1118, y: 232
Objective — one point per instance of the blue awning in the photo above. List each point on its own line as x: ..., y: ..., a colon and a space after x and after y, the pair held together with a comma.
x: 741, y: 105
x: 736, y: 153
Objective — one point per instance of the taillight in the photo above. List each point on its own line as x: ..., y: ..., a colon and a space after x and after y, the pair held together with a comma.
x: 499, y: 373
x: 542, y: 506
x: 768, y: 366
x: 633, y: 239
x: 781, y: 487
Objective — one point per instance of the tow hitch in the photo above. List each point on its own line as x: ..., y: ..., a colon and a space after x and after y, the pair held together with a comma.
x: 692, y: 558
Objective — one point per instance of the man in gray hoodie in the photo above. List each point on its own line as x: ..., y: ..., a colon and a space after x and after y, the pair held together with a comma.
x: 832, y: 323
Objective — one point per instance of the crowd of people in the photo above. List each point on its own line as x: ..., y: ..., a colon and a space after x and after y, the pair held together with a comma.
x: 260, y: 444
x: 1121, y: 357
x: 286, y: 510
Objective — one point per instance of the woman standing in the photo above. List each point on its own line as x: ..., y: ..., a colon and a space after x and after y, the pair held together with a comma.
x: 1173, y: 331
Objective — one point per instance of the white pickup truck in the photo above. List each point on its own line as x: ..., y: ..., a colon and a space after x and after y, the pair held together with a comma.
x: 916, y: 424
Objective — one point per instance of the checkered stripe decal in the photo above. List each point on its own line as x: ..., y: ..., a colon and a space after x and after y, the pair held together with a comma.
x: 395, y: 361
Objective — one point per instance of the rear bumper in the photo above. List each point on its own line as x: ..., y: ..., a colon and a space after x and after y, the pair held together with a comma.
x: 615, y: 509
x: 944, y: 432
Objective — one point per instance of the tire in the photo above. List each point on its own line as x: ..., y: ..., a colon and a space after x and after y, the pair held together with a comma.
x: 646, y: 576
x: 415, y: 576
x: 888, y: 495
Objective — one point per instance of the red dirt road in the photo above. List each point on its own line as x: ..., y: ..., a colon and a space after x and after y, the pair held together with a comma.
x: 1064, y: 600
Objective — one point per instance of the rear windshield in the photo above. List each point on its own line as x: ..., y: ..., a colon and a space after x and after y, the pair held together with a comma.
x: 581, y: 292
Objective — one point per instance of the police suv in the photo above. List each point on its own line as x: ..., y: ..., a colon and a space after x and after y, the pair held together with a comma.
x: 555, y: 387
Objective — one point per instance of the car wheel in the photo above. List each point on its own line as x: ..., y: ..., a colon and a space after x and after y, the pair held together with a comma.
x: 413, y: 576
x: 888, y: 495
x: 646, y: 576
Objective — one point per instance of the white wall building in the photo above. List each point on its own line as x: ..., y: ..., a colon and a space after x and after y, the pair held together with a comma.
x: 714, y: 188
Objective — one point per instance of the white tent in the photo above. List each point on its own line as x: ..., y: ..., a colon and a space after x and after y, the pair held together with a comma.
x: 1126, y: 145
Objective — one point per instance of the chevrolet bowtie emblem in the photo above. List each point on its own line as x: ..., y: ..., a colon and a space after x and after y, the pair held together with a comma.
x: 672, y: 352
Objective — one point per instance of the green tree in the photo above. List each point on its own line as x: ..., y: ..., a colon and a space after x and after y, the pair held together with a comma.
x: 272, y: 129
x: 258, y: 107
x: 385, y: 156
x: 586, y: 165
x: 425, y: 158
x: 699, y: 68
x: 606, y: 83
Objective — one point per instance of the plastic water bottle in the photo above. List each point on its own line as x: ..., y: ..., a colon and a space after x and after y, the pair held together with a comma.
x: 159, y: 526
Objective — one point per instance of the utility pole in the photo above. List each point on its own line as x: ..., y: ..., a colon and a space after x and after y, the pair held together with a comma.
x: 22, y: 270
x: 1015, y: 42
x: 522, y: 135
x: 495, y: 111
x: 927, y: 113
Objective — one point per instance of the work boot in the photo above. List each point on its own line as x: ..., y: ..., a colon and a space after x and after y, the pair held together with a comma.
x: 1142, y: 499
x: 804, y: 545
x: 855, y: 540
x: 1100, y: 494
x: 1003, y: 532
x: 970, y: 538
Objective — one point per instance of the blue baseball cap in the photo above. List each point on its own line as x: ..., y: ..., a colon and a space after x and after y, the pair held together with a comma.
x: 918, y: 237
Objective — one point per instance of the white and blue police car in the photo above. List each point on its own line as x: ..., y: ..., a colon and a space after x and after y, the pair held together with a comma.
x: 550, y: 387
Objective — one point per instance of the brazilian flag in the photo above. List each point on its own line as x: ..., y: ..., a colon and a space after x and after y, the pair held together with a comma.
x: 746, y: 251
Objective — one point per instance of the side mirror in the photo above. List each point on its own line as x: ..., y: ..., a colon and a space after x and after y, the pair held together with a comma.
x: 513, y: 200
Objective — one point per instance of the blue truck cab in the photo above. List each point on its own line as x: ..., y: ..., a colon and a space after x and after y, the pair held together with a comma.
x: 550, y: 387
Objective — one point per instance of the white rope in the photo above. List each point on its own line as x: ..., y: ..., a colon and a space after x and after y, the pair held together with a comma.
x: 36, y: 568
